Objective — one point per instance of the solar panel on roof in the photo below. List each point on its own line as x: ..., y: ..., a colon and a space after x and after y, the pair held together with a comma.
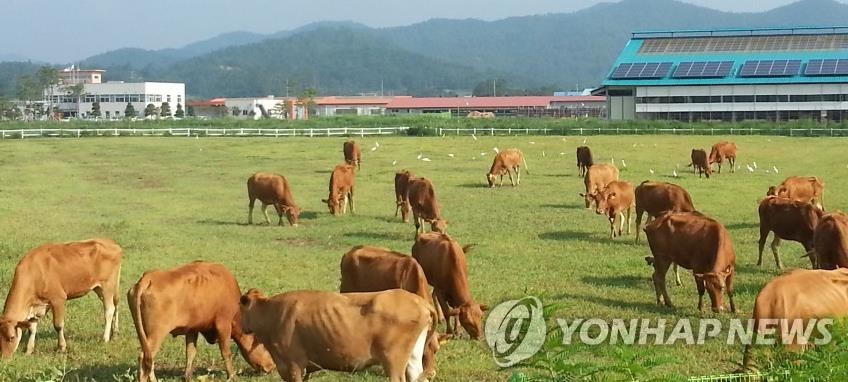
x: 770, y: 68
x: 641, y: 70
x: 703, y: 69
x: 829, y: 67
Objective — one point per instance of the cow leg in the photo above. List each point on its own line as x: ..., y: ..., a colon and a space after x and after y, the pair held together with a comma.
x: 612, y: 225
x: 775, y: 249
x: 621, y: 223
x: 764, y: 232
x: 518, y: 172
x: 728, y: 282
x: 639, y: 213
x: 732, y: 161
x: 629, y: 209
x: 511, y: 181
x: 33, y: 328
x: 191, y: 351
x: 677, y: 276
x: 109, y: 308
x: 350, y: 197
x: 279, y: 208
x: 415, y: 363
x: 224, y: 330
x: 265, y: 211
x: 702, y: 287
x: 660, y: 270
x: 147, y: 357
x: 440, y: 299
x: 250, y: 211
x: 58, y: 308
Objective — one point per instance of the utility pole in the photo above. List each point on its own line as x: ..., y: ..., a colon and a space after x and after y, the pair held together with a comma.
x: 494, y: 88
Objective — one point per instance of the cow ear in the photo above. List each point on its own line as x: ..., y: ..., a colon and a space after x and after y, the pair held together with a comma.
x: 325, y: 200
x: 582, y: 194
x: 468, y: 248
x: 484, y: 307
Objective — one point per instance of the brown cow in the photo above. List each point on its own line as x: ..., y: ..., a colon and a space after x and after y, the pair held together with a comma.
x: 721, y: 151
x: 444, y: 264
x: 401, y: 198
x: 372, y: 269
x: 53, y: 273
x: 196, y: 298
x: 425, y: 206
x: 507, y: 162
x: 789, y: 220
x: 700, y: 163
x: 342, y: 183
x: 352, y: 154
x: 272, y: 189
x: 802, y: 295
x: 831, y: 241
x: 597, y: 177
x: 584, y: 159
x: 656, y: 198
x: 306, y: 331
x: 808, y: 189
x: 695, y: 242
x: 612, y: 201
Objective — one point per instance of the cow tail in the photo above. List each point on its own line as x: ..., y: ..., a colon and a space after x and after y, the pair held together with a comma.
x: 526, y: 169
x: 134, y: 300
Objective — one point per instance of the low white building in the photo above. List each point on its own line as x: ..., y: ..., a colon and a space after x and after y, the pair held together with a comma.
x: 114, y: 97
x: 255, y: 108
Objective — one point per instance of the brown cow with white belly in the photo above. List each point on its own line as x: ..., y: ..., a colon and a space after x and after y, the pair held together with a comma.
x: 425, y: 206
x: 444, y: 264
x: 831, y: 241
x: 307, y: 331
x: 401, y: 194
x: 789, y: 220
x: 596, y: 179
x: 721, y: 151
x: 342, y: 183
x: 506, y: 162
x: 803, y: 295
x: 694, y: 242
x: 808, y: 189
x: 613, y: 201
x: 196, y: 298
x: 352, y: 154
x: 272, y: 189
x: 53, y: 273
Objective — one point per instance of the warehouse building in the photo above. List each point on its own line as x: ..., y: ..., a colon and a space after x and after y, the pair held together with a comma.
x: 731, y: 75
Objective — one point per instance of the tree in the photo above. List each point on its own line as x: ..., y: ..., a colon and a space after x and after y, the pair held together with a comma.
x: 77, y: 91
x: 150, y: 110
x: 129, y: 111
x: 190, y: 111
x: 307, y: 100
x: 179, y: 113
x: 27, y: 89
x: 95, y: 109
x: 47, y: 78
x: 165, y: 110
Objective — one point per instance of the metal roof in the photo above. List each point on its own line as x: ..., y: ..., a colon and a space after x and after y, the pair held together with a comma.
x: 633, y: 53
x: 485, y: 102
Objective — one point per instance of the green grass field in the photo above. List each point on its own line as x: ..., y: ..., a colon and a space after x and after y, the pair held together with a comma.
x: 169, y: 201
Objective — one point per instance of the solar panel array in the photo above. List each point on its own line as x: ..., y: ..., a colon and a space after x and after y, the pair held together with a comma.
x: 834, y: 67
x: 703, y: 69
x: 770, y: 68
x: 775, y: 43
x: 641, y: 70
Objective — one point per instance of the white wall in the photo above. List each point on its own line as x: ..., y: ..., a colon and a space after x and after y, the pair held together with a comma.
x: 114, y: 96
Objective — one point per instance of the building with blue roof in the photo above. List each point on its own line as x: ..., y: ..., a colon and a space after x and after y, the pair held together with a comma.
x: 731, y: 75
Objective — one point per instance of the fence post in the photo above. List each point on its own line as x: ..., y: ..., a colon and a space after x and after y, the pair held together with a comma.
x: 492, y: 131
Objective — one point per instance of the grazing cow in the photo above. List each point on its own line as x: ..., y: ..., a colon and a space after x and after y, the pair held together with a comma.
x: 700, y: 163
x: 352, y: 154
x: 721, y: 151
x: 425, y: 206
x: 507, y: 162
x: 694, y: 242
x: 53, y: 273
x: 401, y: 198
x: 584, y: 159
x: 656, y: 198
x: 306, y: 331
x: 789, y: 220
x: 372, y: 269
x: 831, y: 241
x: 616, y: 198
x: 597, y: 177
x: 808, y: 189
x: 444, y: 264
x: 342, y: 182
x: 272, y: 189
x: 196, y: 298
x: 803, y: 295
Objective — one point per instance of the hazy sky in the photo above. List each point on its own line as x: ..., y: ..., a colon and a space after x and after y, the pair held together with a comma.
x: 63, y: 31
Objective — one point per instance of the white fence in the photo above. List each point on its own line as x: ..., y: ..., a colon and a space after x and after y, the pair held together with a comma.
x: 201, y: 132
x: 777, y: 130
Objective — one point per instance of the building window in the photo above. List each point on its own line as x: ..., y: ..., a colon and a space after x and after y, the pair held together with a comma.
x: 179, y: 98
x: 90, y: 98
x: 244, y: 112
x: 169, y: 98
x: 135, y: 98
x: 104, y: 98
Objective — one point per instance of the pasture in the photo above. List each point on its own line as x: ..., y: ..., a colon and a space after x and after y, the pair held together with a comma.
x: 169, y: 201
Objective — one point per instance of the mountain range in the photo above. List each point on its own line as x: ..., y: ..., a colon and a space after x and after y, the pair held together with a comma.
x: 565, y: 51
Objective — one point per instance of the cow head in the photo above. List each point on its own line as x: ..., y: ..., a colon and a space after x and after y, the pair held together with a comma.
x: 471, y: 318
x: 246, y: 303
x: 715, y: 283
x: 334, y: 204
x: 292, y: 214
x: 439, y: 225
x: 10, y: 336
x: 491, y: 179
x: 431, y: 348
x: 603, y: 201
x: 253, y: 352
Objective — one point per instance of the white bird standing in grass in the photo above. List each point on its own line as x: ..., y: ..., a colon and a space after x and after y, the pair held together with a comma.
x: 652, y: 171
x: 755, y: 164
x: 482, y: 154
x: 674, y: 173
x: 419, y: 156
x: 532, y: 143
x: 425, y: 159
x: 775, y: 169
x: 450, y: 155
x: 564, y: 154
x: 623, y: 164
x: 495, y: 149
x: 374, y: 148
x: 750, y: 169
x: 584, y: 140
x: 474, y: 136
x: 612, y: 161
x: 543, y: 153
x: 394, y: 162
